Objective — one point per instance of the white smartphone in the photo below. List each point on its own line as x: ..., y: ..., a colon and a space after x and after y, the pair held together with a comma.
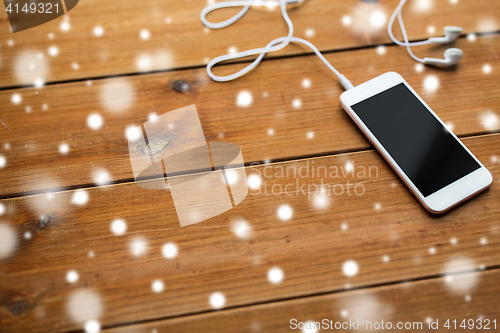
x: 435, y: 165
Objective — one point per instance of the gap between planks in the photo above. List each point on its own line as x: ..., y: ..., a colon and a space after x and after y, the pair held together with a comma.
x: 126, y: 181
x: 296, y: 298
x: 227, y: 63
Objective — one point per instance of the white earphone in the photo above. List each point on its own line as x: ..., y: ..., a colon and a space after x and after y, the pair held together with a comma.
x: 451, y: 56
x: 274, y: 45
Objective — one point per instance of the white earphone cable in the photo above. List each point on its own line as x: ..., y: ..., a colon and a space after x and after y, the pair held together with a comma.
x: 405, y: 36
x: 397, y: 12
x: 274, y: 45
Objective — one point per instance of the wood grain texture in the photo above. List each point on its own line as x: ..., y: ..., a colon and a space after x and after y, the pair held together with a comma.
x: 311, y: 247
x: 184, y: 42
x: 464, y: 97
x: 413, y: 302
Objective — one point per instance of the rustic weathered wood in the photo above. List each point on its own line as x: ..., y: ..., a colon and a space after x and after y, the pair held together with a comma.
x: 465, y: 97
x: 412, y: 302
x: 385, y: 230
x: 310, y: 248
x: 184, y: 42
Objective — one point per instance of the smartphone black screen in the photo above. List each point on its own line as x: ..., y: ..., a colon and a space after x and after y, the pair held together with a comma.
x: 426, y: 151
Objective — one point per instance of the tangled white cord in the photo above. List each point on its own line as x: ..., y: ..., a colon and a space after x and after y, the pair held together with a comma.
x: 274, y: 45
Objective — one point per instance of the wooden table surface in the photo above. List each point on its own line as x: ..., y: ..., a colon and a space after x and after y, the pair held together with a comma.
x: 377, y: 255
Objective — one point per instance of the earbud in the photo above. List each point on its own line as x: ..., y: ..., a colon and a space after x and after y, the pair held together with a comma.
x: 451, y: 33
x: 451, y: 57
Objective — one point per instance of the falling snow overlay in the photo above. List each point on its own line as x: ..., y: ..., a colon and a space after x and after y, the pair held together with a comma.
x: 89, y: 244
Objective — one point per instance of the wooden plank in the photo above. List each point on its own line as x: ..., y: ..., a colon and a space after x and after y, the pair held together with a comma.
x: 412, y: 302
x: 466, y: 98
x: 183, y: 42
x: 310, y: 248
